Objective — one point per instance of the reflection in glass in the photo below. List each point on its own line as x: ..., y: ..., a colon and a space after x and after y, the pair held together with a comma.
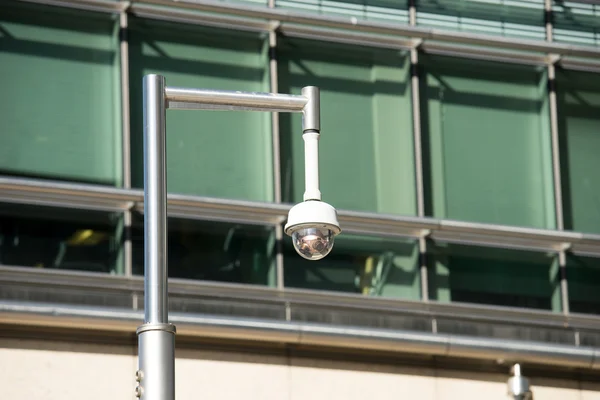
x: 358, y: 264
x: 583, y: 276
x: 56, y: 238
x: 61, y: 121
x: 578, y: 98
x: 487, y: 142
x: 500, y: 277
x: 313, y: 243
x: 522, y: 19
x: 213, y: 251
x: 228, y: 152
x: 366, y: 111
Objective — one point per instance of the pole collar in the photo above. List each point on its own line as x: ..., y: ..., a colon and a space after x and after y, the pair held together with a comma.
x: 155, y: 327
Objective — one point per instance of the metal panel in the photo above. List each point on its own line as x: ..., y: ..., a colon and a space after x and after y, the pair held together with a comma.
x: 310, y: 334
x: 297, y: 299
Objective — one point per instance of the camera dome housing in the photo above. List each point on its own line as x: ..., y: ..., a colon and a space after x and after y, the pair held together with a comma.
x: 313, y: 226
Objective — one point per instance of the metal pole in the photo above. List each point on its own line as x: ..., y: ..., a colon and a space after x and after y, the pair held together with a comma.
x: 156, y: 337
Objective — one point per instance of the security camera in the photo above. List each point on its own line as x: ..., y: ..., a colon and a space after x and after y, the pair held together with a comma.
x: 313, y: 223
x: 313, y: 226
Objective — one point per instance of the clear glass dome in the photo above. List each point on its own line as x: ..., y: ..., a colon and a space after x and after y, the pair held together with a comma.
x: 313, y: 243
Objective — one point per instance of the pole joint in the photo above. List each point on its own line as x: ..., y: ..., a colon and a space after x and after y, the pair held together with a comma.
x: 311, y: 114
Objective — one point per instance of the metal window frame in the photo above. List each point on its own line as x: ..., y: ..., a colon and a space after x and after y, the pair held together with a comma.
x: 308, y: 334
x: 104, y: 198
x: 328, y: 28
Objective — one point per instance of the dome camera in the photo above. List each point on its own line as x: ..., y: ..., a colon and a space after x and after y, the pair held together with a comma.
x: 313, y: 226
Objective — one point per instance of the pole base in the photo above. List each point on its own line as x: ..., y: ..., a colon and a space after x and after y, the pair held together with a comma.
x: 156, y: 368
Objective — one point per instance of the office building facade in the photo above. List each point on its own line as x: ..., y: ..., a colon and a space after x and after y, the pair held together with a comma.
x: 460, y: 144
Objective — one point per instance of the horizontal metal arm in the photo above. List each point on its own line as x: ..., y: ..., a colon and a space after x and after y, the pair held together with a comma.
x: 205, y: 99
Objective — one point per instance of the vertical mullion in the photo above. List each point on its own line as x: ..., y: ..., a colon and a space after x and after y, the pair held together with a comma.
x: 124, y: 56
x: 418, y: 152
x: 556, y: 170
x: 275, y: 135
x: 126, y: 136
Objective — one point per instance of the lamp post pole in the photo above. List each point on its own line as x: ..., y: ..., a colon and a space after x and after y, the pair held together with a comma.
x: 156, y: 336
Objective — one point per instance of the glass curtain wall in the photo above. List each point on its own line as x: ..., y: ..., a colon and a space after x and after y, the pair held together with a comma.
x: 522, y: 19
x: 470, y: 274
x: 61, y: 74
x: 366, y: 145
x: 393, y: 11
x: 485, y: 132
x: 364, y: 265
x: 576, y: 22
x: 217, y: 154
x: 60, y: 238
x: 583, y: 274
x: 578, y: 98
x: 214, y: 251
x: 487, y: 145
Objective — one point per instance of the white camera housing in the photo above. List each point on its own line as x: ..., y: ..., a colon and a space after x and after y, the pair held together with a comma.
x: 313, y: 226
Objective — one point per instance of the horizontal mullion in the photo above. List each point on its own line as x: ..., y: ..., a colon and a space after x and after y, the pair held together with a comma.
x: 104, y: 198
x: 345, y: 37
x: 354, y: 24
x: 484, y: 54
x: 105, y: 6
x: 358, y: 32
x: 194, y: 18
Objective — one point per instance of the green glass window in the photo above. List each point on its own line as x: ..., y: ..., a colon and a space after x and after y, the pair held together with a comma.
x: 366, y: 148
x: 578, y: 102
x: 57, y: 238
x: 583, y: 275
x: 523, y: 18
x: 61, y: 114
x: 357, y: 264
x: 491, y: 276
x: 487, y: 142
x: 374, y: 10
x: 214, y: 251
x: 220, y: 154
x: 576, y: 22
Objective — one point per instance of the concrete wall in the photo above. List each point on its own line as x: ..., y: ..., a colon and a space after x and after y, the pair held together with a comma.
x: 73, y: 371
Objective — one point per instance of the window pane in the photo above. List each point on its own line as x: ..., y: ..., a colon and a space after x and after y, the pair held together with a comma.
x: 222, y: 154
x: 61, y: 76
x: 371, y: 10
x: 583, y: 276
x: 487, y: 143
x: 366, y: 148
x: 493, y: 276
x: 522, y: 19
x: 357, y: 264
x: 56, y: 238
x: 576, y: 22
x: 578, y: 98
x: 214, y: 251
